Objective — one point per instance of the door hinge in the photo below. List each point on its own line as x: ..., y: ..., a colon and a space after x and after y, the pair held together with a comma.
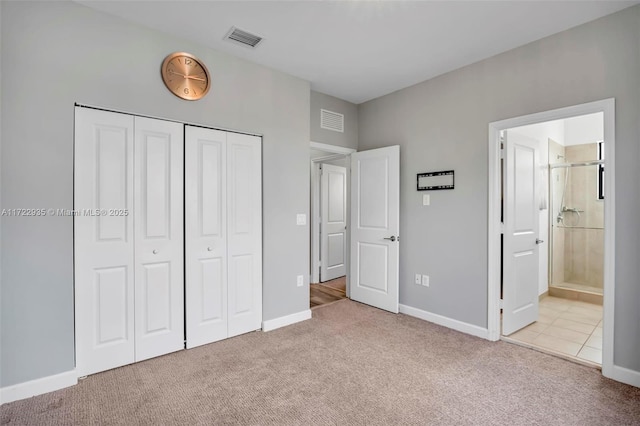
x: 502, y: 228
x: 502, y: 153
x: 501, y: 304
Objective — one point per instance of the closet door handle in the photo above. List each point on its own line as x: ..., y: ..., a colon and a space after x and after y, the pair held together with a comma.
x: 209, y: 249
x: 155, y: 251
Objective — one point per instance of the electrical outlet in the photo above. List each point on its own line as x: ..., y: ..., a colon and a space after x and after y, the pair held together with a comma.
x: 425, y: 280
x: 301, y: 219
x: 300, y: 280
x: 426, y: 199
x: 418, y: 279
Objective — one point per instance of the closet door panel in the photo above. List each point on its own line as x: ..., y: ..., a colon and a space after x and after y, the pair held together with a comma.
x: 111, y: 182
x: 156, y: 296
x: 111, y: 305
x: 159, y: 269
x: 206, y: 236
x: 244, y: 200
x: 103, y: 241
x: 212, y: 291
x: 241, y: 275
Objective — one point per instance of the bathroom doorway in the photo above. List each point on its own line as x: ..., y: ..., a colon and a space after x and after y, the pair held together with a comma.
x: 573, y: 246
x: 571, y: 265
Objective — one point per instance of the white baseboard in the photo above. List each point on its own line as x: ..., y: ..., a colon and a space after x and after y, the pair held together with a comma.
x: 463, y: 327
x: 624, y: 375
x: 38, y: 386
x: 286, y: 320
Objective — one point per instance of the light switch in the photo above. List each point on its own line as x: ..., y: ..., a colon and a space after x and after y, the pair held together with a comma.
x: 426, y: 199
x: 425, y: 280
x: 301, y: 219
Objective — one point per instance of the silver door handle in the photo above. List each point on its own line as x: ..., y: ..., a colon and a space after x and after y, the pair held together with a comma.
x: 209, y: 249
x: 391, y: 238
x: 155, y: 252
x: 539, y: 241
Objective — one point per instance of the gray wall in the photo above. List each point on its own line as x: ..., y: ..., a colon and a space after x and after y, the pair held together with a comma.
x: 442, y: 124
x: 349, y: 138
x: 55, y: 54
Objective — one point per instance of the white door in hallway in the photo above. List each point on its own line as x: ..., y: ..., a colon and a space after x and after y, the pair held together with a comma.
x: 521, y: 223
x: 375, y: 225
x: 159, y: 237
x: 333, y: 225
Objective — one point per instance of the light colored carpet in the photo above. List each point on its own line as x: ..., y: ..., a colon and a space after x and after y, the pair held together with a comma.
x: 352, y: 365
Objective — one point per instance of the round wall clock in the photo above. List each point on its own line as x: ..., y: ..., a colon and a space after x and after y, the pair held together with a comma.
x: 185, y: 76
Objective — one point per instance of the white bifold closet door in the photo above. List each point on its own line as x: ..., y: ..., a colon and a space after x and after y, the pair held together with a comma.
x: 159, y: 237
x: 128, y: 239
x: 223, y: 247
x: 206, y: 235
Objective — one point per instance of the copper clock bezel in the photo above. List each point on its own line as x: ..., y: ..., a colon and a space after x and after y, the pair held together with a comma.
x: 180, y: 94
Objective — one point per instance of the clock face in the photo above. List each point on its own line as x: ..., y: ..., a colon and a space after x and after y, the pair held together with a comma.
x: 185, y: 76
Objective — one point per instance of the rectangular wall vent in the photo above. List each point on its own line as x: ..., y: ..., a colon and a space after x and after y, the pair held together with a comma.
x: 243, y: 37
x: 332, y: 120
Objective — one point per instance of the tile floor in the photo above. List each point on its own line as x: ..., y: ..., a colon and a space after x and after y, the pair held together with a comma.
x: 568, y: 327
x: 580, y: 287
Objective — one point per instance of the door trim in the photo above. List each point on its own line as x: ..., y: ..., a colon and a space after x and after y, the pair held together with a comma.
x: 607, y: 107
x: 333, y: 149
x: 335, y: 153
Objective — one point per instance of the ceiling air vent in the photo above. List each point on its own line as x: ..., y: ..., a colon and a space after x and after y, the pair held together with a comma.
x: 239, y: 36
x: 331, y: 120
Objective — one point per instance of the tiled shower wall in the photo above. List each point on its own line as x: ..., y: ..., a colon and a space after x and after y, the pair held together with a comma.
x: 578, y: 245
x: 556, y: 155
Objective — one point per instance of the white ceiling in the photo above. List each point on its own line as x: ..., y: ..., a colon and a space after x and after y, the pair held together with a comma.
x: 360, y: 50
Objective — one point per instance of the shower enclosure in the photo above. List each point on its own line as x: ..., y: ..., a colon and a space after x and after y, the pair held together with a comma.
x: 577, y: 223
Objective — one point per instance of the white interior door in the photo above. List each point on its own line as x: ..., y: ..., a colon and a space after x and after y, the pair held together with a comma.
x: 521, y: 222
x: 333, y: 225
x: 244, y: 225
x: 158, y: 218
x: 103, y: 244
x: 206, y: 235
x: 375, y: 224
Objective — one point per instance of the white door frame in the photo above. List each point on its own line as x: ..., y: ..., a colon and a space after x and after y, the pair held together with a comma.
x: 607, y: 107
x: 335, y: 152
